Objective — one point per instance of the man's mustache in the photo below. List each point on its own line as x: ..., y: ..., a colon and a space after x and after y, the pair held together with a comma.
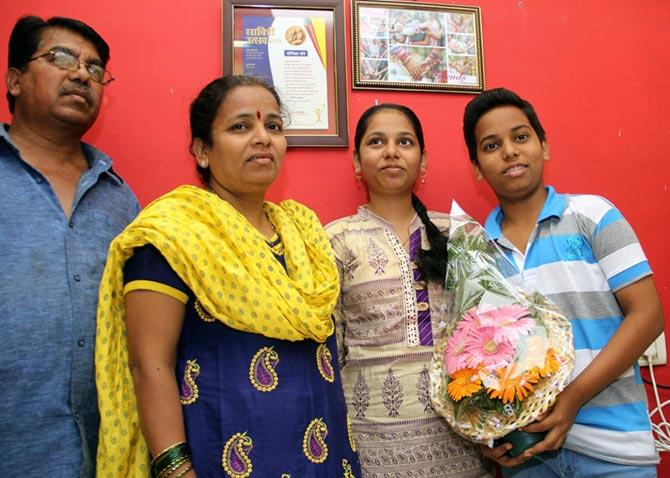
x: 79, y: 90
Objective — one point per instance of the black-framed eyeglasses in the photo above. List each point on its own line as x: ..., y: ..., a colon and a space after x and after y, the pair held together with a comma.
x: 67, y: 61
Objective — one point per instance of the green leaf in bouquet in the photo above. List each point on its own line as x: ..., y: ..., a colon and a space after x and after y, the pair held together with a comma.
x: 484, y: 402
x: 518, y: 406
x: 493, y: 284
x: 508, y: 410
x: 480, y: 401
x: 468, y: 294
x: 470, y: 239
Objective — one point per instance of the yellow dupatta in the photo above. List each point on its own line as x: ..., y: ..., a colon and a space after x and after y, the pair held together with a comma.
x: 235, y: 277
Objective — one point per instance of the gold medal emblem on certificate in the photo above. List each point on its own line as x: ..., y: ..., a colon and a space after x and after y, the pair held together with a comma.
x: 295, y: 35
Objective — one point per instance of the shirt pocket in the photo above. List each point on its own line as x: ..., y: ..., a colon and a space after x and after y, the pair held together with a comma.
x: 107, y: 227
x: 106, y: 221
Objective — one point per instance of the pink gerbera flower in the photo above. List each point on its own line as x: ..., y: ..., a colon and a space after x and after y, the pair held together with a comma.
x: 509, y: 322
x: 484, y: 350
x: 455, y: 357
x: 469, y: 321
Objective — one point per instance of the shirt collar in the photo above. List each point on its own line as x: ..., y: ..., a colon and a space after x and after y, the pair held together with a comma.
x: 554, y: 206
x: 98, y: 162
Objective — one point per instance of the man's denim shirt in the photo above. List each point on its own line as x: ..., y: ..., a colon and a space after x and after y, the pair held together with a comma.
x: 50, y: 268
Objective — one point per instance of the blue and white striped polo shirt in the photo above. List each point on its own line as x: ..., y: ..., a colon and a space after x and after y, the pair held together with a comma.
x: 580, y: 253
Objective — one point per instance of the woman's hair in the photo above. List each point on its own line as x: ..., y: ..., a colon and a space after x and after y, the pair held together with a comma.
x: 206, y: 105
x: 432, y: 262
x: 488, y: 100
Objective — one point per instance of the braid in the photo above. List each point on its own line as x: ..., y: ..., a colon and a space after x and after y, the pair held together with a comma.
x: 433, y: 262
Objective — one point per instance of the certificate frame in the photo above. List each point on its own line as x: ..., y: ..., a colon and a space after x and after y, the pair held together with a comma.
x: 417, y: 46
x: 298, y: 47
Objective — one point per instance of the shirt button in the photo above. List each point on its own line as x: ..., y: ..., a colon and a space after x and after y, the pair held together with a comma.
x: 76, y: 278
x: 39, y: 180
x: 76, y: 416
x: 71, y: 224
x: 81, y: 342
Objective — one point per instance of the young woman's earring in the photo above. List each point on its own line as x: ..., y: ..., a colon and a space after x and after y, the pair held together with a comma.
x: 423, y: 176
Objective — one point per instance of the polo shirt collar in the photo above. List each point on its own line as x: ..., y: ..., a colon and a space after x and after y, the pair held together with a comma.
x: 554, y: 206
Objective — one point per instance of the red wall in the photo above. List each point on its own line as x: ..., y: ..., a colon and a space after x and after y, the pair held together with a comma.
x: 596, y: 71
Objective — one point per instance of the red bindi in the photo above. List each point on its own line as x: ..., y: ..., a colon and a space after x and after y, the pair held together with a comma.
x: 258, y: 114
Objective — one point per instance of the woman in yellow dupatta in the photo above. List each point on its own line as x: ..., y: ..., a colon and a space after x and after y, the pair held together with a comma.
x: 215, y: 351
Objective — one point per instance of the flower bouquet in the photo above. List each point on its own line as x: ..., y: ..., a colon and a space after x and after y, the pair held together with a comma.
x: 503, y: 353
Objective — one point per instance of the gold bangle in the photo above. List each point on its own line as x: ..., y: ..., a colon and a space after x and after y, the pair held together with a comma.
x: 183, y: 472
x: 172, y: 467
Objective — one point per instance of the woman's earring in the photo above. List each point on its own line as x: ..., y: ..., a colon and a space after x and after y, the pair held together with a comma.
x: 423, y: 177
x: 359, y: 178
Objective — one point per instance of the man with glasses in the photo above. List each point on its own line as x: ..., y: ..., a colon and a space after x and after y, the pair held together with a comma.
x: 60, y: 206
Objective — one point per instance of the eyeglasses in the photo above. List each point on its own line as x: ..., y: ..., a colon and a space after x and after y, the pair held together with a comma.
x: 67, y: 61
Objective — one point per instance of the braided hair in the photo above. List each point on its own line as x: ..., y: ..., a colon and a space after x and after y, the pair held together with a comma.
x: 432, y: 262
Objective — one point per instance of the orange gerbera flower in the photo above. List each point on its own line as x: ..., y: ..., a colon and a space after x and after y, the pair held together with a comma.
x: 509, y: 387
x: 464, y: 383
x: 551, y: 364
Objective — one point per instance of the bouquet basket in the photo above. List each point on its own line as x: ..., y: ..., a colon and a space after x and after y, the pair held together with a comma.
x: 504, y: 352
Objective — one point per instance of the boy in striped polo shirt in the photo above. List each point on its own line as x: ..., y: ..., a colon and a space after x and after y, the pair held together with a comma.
x: 580, y: 252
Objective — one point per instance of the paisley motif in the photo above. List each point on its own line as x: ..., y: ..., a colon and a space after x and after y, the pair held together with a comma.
x: 314, y: 442
x: 235, y: 461
x: 202, y: 313
x: 347, y: 472
x: 189, y: 389
x: 262, y: 373
x: 324, y: 362
x: 350, y: 434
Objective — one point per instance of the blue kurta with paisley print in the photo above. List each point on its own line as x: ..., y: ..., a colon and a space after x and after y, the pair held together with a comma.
x: 254, y: 406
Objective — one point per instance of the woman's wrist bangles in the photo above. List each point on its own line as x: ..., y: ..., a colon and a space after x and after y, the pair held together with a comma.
x: 170, y: 459
x: 183, y: 472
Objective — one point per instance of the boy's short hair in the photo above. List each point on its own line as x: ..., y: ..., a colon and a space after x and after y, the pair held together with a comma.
x: 488, y: 100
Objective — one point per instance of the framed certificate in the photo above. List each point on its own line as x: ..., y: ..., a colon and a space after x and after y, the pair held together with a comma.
x: 417, y: 46
x: 299, y: 49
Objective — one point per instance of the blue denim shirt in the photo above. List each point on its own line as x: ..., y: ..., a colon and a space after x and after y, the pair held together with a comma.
x: 50, y: 267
